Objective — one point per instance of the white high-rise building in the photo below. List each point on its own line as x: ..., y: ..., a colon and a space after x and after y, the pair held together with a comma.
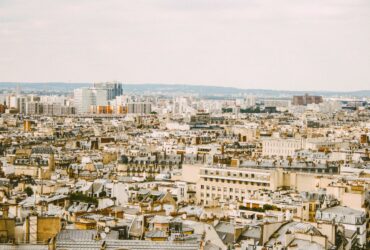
x: 101, y: 97
x: 113, y: 89
x: 84, y: 98
x: 13, y: 102
x: 250, y: 101
x: 98, y: 95
x: 180, y: 105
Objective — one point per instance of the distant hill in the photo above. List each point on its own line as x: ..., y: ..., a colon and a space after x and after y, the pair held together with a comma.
x: 174, y: 89
x: 47, y: 86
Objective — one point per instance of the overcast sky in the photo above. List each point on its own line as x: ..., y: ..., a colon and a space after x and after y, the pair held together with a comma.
x: 278, y: 44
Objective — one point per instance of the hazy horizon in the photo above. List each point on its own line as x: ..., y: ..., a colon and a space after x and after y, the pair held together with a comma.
x: 191, y: 85
x: 308, y: 45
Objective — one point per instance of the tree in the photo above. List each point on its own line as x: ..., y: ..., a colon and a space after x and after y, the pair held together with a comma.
x: 28, y: 191
x: 82, y: 198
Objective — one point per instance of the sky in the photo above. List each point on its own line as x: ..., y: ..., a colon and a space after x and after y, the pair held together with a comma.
x: 268, y: 44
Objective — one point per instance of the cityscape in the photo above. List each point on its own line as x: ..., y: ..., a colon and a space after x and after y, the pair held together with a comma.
x: 98, y: 168
x: 185, y: 125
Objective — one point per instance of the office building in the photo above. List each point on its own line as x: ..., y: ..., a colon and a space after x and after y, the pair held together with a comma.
x: 34, y: 108
x: 139, y: 108
x: 85, y: 98
x: 114, y: 89
x: 306, y: 99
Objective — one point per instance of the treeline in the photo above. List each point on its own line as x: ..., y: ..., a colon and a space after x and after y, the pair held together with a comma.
x: 250, y: 110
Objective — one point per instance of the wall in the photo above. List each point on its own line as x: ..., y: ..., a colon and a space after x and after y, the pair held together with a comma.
x: 190, y: 173
x: 47, y: 227
x: 7, y: 229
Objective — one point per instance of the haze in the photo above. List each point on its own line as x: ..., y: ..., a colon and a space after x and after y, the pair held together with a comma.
x: 288, y: 44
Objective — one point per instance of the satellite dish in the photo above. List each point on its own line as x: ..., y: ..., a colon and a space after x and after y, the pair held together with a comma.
x: 106, y: 229
x: 103, y: 235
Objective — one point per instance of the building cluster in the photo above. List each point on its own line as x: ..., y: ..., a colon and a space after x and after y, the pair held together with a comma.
x: 306, y: 99
x: 100, y: 98
x: 108, y: 98
x: 126, y: 171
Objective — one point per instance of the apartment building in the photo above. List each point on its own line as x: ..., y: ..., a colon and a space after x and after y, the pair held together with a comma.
x: 113, y: 89
x: 306, y: 99
x: 139, y: 108
x: 354, y: 222
x: 281, y: 146
x: 84, y: 98
x: 221, y: 184
x: 34, y: 108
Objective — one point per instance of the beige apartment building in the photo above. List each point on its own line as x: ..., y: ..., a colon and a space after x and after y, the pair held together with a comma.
x: 281, y: 146
x: 222, y: 184
x: 36, y: 162
x: 217, y: 185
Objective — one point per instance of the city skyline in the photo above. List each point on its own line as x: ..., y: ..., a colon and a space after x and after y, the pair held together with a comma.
x: 153, y: 170
x: 300, y: 45
x: 185, y: 124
